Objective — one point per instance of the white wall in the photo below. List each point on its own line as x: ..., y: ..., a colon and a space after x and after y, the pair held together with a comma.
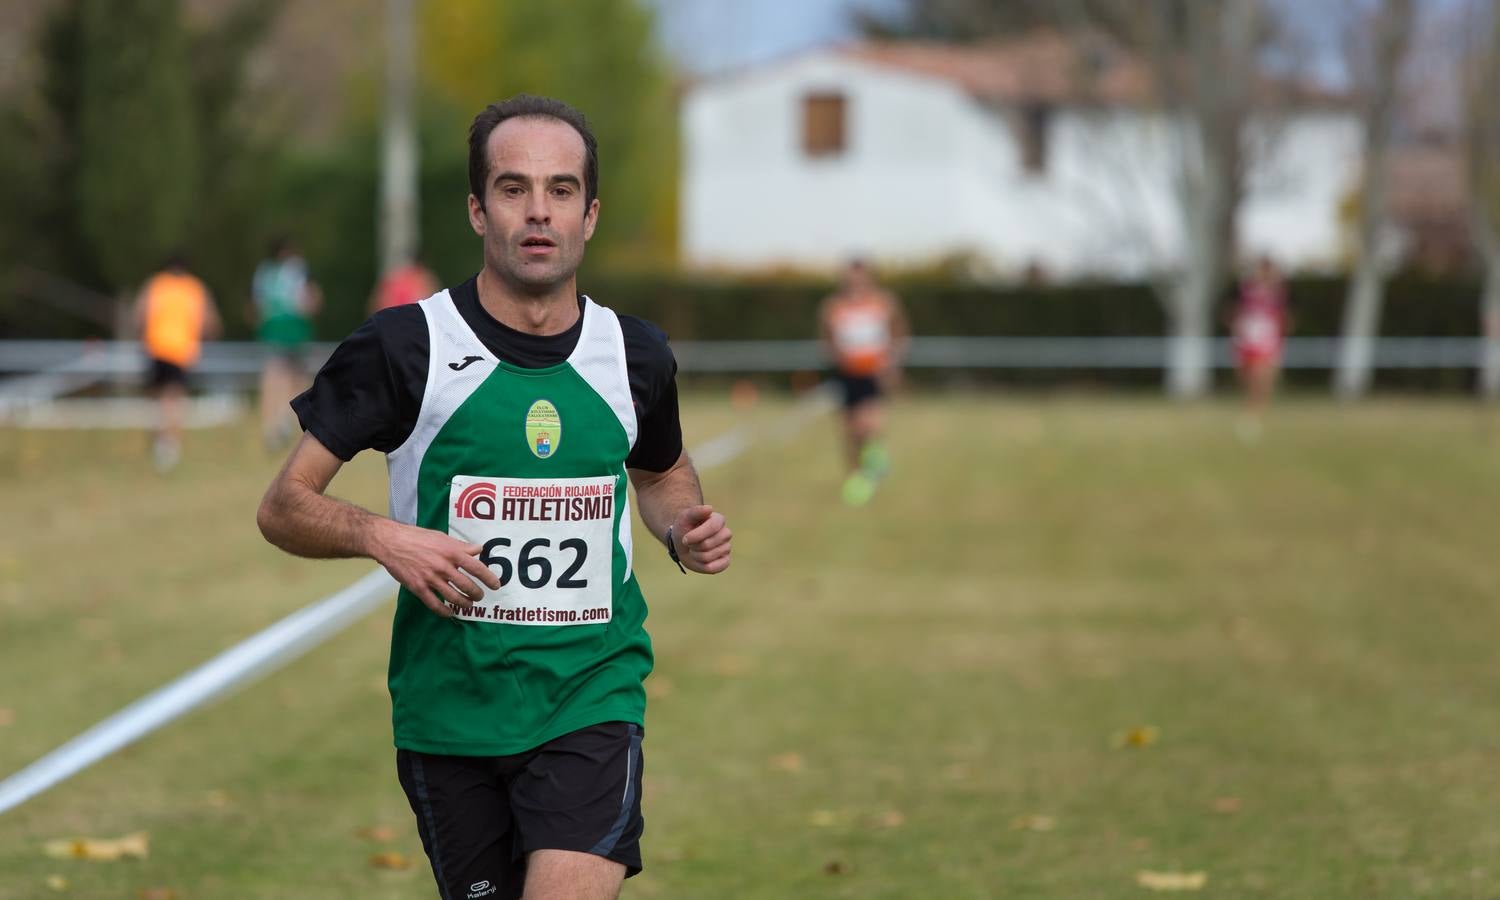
x: 927, y: 172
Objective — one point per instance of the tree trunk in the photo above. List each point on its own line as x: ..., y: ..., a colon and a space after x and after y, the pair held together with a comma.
x: 398, y: 176
x: 1210, y: 182
x: 1361, y: 313
x: 1367, y: 287
x: 1188, y: 347
x: 1489, y: 311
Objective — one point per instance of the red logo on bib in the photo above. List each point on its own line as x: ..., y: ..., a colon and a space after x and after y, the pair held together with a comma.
x: 477, y: 501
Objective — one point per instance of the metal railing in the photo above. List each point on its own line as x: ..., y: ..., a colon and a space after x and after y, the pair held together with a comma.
x: 236, y: 361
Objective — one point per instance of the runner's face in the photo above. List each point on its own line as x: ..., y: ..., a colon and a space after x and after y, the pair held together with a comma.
x: 534, y: 220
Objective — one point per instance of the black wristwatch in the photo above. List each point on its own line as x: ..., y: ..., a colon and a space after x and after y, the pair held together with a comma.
x: 672, y: 551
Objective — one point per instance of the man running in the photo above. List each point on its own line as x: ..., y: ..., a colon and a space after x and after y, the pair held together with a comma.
x: 864, y: 330
x: 285, y: 300
x: 511, y: 409
x: 406, y: 283
x: 174, y: 314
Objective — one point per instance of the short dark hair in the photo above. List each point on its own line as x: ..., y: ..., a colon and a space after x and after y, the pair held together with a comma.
x: 529, y: 106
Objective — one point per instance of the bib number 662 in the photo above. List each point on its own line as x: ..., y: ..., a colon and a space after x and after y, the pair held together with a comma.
x: 533, y: 567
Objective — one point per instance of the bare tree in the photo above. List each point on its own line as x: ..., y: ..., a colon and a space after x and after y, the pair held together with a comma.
x: 1482, y: 158
x: 1381, y: 74
x: 1205, y: 60
x: 1210, y: 106
x: 399, y: 164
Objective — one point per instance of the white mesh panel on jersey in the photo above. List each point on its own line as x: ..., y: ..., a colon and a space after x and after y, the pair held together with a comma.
x: 626, y: 542
x: 449, y: 340
x: 600, y: 359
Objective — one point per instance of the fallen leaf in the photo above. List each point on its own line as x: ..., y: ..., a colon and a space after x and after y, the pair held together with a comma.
x: 379, y: 834
x: 833, y: 867
x: 788, y: 762
x: 57, y: 883
x: 1139, y: 736
x: 658, y: 687
x: 158, y: 893
x: 390, y: 859
x: 100, y: 850
x: 1171, y: 881
x: 7, y: 716
x: 1034, y: 822
x: 822, y: 818
x: 1228, y: 805
x: 891, y: 818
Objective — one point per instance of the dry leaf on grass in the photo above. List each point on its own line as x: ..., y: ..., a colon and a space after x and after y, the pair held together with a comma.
x: 1228, y: 805
x: 1171, y: 881
x: 1034, y: 822
x: 1139, y: 736
x: 57, y: 883
x: 390, y: 859
x: 788, y: 762
x: 379, y: 834
x: 7, y: 716
x: 137, y: 845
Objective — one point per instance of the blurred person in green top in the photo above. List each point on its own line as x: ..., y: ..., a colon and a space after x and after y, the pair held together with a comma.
x: 285, y: 300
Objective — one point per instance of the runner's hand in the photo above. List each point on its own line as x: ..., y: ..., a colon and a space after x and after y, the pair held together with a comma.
x: 702, y: 539
x: 434, y: 566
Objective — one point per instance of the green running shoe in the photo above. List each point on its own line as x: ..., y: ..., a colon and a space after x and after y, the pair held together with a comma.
x: 858, y: 489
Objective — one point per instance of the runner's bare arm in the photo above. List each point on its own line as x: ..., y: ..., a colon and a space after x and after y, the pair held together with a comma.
x: 297, y: 516
x: 674, y: 498
x: 213, y: 326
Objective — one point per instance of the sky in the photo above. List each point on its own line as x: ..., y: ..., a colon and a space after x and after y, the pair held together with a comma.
x: 707, y: 36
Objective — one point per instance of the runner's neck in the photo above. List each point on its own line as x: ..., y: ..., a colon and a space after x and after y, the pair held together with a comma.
x: 546, y: 314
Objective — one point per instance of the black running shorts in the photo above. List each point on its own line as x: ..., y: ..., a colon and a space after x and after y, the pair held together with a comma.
x: 479, y: 816
x: 858, y: 389
x: 163, y: 373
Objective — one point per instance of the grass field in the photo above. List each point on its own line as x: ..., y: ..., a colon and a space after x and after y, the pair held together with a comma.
x: 920, y: 699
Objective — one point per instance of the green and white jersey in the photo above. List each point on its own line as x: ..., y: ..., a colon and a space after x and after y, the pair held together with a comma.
x: 530, y: 464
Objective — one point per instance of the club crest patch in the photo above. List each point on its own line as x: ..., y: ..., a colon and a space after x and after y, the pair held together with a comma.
x: 543, y: 429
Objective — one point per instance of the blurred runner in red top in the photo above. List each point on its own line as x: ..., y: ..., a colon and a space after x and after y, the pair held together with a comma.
x: 406, y: 283
x: 1259, y: 325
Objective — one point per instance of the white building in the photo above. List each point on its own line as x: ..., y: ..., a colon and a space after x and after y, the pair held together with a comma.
x: 914, y: 153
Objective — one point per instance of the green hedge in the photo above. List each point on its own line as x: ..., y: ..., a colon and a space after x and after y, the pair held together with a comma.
x: 722, y: 310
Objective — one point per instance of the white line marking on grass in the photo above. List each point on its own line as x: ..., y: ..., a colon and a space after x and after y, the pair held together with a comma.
x: 291, y: 637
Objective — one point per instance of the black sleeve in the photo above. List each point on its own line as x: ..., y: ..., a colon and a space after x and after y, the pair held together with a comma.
x: 653, y: 387
x: 368, y: 394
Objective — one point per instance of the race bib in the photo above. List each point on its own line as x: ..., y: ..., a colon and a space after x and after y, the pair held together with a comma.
x: 550, y: 540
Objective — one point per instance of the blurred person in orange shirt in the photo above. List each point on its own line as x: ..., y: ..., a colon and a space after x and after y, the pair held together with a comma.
x: 406, y: 283
x: 1259, y: 325
x: 864, y: 330
x: 174, y: 313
